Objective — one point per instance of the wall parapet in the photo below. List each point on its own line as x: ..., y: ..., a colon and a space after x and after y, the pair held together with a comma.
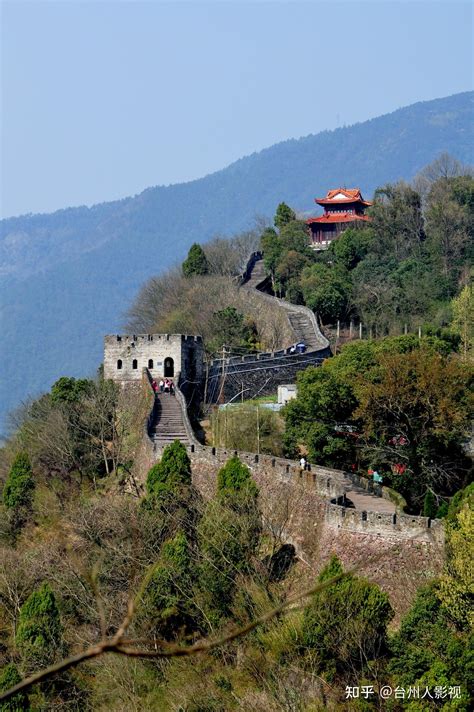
x: 396, y: 525
x: 329, y: 485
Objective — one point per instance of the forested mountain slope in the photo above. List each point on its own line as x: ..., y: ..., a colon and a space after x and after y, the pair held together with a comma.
x: 67, y: 277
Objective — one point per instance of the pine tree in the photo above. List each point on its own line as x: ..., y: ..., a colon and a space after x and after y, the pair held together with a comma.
x: 173, y: 470
x: 196, y: 262
x: 345, y: 624
x: 284, y: 215
x: 429, y: 505
x: 39, y: 634
x: 9, y: 677
x: 235, y: 478
x: 19, y: 486
x: 228, y: 536
x: 167, y: 604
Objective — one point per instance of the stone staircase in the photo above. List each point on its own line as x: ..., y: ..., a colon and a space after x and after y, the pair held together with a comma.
x: 167, y: 424
x: 257, y: 275
x: 302, y: 322
x: 304, y: 330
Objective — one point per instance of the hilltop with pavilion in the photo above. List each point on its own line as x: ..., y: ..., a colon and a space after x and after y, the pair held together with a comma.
x: 342, y: 208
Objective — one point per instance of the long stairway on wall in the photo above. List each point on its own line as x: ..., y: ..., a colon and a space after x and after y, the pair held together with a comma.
x: 304, y: 330
x: 257, y: 275
x: 300, y: 318
x: 168, y: 422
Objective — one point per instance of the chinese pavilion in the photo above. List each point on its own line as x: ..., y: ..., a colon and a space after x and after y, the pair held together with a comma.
x: 342, y: 208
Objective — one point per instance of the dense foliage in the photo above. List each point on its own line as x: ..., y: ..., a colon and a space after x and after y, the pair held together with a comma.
x: 202, y: 568
x: 400, y: 270
x: 19, y: 486
x: 401, y: 406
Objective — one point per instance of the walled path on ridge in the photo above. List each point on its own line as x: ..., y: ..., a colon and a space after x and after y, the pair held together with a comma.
x: 306, y: 329
x: 302, y: 320
x: 170, y: 422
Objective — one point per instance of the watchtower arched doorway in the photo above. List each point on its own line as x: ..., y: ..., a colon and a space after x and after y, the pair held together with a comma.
x: 169, y: 367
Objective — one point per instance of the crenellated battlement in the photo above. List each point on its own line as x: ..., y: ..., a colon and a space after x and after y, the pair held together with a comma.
x: 164, y: 355
x: 137, y: 338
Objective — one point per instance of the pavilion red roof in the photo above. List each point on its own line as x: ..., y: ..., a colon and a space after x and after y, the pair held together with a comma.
x: 352, y: 195
x: 337, y: 218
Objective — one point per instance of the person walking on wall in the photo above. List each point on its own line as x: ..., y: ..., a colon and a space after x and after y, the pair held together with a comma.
x: 302, y: 464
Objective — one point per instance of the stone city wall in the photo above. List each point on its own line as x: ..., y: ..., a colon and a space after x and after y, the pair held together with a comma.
x: 257, y: 374
x: 311, y: 493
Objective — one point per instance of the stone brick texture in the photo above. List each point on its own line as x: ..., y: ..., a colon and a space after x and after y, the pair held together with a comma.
x: 297, y: 509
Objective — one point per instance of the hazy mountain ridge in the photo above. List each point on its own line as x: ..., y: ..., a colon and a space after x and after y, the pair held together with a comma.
x: 68, y: 276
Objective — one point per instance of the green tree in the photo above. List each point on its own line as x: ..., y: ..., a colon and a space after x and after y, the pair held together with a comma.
x: 70, y: 390
x: 423, y: 401
x: 284, y: 215
x: 19, y: 486
x: 429, y: 505
x: 345, y: 625
x: 272, y: 247
x: 456, y: 588
x: 326, y: 290
x: 171, y: 472
x: 324, y: 400
x: 168, y: 609
x: 428, y: 651
x: 196, y: 262
x: 39, y: 633
x: 294, y: 236
x: 288, y: 273
x: 463, y: 319
x: 231, y: 328
x: 450, y: 227
x: 235, y: 479
x: 351, y: 246
x: 397, y: 221
x: 228, y: 536
x: 9, y: 677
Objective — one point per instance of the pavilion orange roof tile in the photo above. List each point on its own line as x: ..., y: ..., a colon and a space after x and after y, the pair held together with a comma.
x: 337, y: 218
x: 345, y: 195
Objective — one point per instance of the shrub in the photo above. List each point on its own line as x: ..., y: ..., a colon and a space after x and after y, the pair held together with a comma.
x: 39, y: 634
x: 345, y: 625
x: 19, y: 486
x: 235, y: 477
x: 9, y: 677
x: 174, y: 469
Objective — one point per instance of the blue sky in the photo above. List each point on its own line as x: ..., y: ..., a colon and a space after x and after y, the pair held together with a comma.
x: 103, y: 99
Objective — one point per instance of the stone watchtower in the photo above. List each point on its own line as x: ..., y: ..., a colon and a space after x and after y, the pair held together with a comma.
x: 175, y: 356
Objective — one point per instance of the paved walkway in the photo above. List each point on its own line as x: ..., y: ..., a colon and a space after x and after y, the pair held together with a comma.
x: 363, y: 500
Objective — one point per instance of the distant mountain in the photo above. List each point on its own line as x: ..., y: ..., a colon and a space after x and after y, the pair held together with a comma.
x: 68, y: 277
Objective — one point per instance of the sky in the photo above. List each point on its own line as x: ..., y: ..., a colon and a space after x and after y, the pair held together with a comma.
x: 100, y: 100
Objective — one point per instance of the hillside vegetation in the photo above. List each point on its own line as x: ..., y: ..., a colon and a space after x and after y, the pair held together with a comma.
x: 205, y: 573
x: 68, y: 277
x: 205, y: 607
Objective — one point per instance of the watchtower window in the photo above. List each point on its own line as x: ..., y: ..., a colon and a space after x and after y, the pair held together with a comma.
x: 169, y: 367
x: 134, y: 364
x: 119, y: 364
x: 150, y: 363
